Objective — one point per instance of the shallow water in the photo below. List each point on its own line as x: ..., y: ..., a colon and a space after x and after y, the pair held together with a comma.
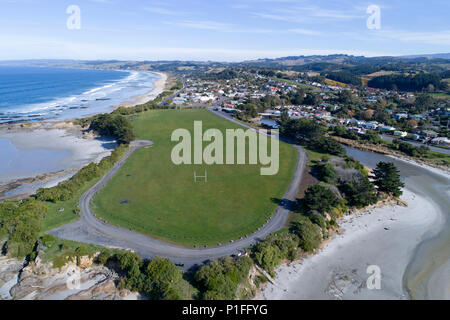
x: 16, y: 163
x: 433, y: 254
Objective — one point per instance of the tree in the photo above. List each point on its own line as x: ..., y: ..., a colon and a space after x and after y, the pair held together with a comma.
x: 387, y: 179
x: 309, y: 234
x: 113, y: 125
x: 320, y: 198
x: 267, y: 255
x: 130, y: 263
x: 21, y: 222
x: 326, y: 172
x: 219, y: 279
x: 345, y: 96
x: 161, y: 277
x: 302, y: 129
x: 327, y: 145
x: 359, y: 192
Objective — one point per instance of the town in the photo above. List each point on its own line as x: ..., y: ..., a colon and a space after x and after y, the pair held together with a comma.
x: 261, y: 97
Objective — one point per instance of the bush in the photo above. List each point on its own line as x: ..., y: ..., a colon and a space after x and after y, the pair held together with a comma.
x: 82, y: 251
x: 113, y: 125
x: 267, y: 255
x: 48, y: 240
x: 219, y: 279
x: 309, y: 234
x: 326, y: 172
x: 103, y: 257
x: 327, y: 145
x: 21, y: 222
x: 359, y: 192
x: 161, y: 278
x: 320, y: 199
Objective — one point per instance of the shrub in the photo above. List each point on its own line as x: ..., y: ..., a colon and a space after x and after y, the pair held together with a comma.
x: 320, y: 199
x: 326, y: 172
x: 48, y: 240
x: 309, y: 234
x: 103, y: 257
x: 359, y: 192
x: 327, y: 145
x: 219, y: 279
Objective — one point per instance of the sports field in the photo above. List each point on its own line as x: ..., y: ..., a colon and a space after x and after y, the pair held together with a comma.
x: 153, y: 196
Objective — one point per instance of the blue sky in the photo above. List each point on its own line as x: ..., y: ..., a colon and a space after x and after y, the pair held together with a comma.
x: 221, y: 30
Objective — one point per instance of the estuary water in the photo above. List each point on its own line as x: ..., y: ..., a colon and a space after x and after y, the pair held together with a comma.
x: 428, y: 273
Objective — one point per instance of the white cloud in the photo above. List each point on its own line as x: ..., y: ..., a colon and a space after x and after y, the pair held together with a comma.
x: 436, y: 37
x: 305, y: 32
x: 217, y: 26
x: 32, y: 48
x: 162, y: 11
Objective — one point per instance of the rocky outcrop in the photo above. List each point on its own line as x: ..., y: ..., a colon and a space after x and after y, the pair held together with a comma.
x: 77, y: 280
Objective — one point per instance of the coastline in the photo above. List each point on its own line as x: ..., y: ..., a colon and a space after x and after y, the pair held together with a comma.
x: 69, y: 148
x: 160, y: 84
x: 386, y: 237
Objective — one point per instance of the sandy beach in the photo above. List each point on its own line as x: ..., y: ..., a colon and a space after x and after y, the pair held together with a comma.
x: 149, y: 96
x: 385, y: 237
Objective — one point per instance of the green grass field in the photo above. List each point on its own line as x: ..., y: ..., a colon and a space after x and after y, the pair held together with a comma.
x: 153, y: 196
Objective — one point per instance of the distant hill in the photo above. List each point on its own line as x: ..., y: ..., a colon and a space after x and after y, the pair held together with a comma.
x: 430, y: 56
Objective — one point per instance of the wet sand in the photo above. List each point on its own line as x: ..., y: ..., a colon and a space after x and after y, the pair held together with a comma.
x: 56, y: 153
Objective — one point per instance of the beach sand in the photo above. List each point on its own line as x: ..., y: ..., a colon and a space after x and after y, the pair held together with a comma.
x: 54, y: 154
x: 160, y: 84
x: 384, y: 237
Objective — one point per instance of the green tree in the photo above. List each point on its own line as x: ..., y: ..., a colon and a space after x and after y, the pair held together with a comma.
x: 267, y: 255
x: 309, y: 234
x: 327, y: 145
x: 359, y: 192
x: 162, y: 278
x: 387, y: 178
x: 326, y: 172
x: 320, y: 199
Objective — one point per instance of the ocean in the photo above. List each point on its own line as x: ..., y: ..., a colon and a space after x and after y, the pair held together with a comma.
x: 29, y: 94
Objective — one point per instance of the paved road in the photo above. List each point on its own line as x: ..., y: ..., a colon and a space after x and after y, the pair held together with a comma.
x: 165, y: 100
x: 91, y: 230
x: 417, y: 144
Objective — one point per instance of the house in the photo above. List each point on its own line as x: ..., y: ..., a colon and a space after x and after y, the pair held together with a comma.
x: 372, y: 125
x: 401, y: 134
x: 429, y: 134
x: 179, y: 100
x: 399, y: 116
x: 387, y: 128
x: 442, y: 141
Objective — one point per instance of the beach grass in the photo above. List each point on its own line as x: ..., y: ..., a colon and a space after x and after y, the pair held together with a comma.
x: 153, y: 196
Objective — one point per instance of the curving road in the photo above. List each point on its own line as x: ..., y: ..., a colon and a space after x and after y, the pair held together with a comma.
x: 91, y: 230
